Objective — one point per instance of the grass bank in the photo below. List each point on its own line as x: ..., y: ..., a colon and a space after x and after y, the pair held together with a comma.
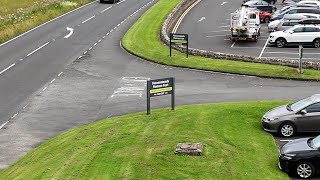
x: 137, y: 146
x: 143, y: 40
x: 23, y: 15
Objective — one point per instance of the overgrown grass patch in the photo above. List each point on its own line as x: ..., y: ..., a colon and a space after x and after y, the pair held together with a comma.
x: 143, y: 39
x: 23, y: 15
x: 138, y: 146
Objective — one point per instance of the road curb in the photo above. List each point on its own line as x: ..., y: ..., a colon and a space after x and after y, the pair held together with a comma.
x: 214, y: 71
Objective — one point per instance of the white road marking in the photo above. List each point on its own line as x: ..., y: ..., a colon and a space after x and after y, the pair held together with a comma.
x: 70, y: 33
x: 120, y: 2
x: 183, y: 15
x: 6, y: 69
x: 95, y: 44
x: 44, y: 88
x: 88, y: 19
x: 38, y: 49
x: 25, y: 106
x: 233, y: 44
x: 3, y: 124
x: 264, y: 47
x: 106, y: 9
x: 131, y: 86
x: 60, y: 74
x: 14, y: 115
x: 223, y: 26
x: 21, y: 60
x: 46, y: 23
x: 203, y: 18
x: 52, y: 81
x: 223, y: 3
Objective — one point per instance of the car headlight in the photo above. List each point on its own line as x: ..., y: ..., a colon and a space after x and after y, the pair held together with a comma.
x: 288, y: 156
x: 274, y: 118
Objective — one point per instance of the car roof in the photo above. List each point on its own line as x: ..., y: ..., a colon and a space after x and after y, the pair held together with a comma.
x: 315, y: 98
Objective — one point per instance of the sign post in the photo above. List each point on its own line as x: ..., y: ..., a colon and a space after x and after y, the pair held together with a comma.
x: 179, y: 39
x: 300, y: 58
x: 160, y: 87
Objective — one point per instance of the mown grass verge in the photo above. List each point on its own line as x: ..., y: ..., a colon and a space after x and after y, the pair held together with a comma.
x: 138, y: 146
x: 23, y: 15
x: 143, y: 40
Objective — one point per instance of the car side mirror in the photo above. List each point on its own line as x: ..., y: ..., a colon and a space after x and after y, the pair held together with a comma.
x: 303, y: 111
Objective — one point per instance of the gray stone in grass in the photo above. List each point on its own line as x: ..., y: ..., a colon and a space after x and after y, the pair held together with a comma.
x: 193, y: 149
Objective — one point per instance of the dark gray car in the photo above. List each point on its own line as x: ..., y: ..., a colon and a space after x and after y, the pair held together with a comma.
x: 301, y: 116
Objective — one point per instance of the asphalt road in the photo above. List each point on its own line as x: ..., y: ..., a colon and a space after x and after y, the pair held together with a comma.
x: 32, y: 60
x: 208, y: 26
x: 107, y: 82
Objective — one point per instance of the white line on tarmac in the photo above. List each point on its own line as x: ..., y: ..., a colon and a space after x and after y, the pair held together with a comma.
x: 88, y: 19
x: 52, y: 81
x: 44, y: 88
x: 60, y: 74
x: 183, y: 15
x: 203, y: 18
x: 223, y: 3
x: 106, y: 9
x: 6, y: 69
x: 3, y: 124
x: 14, y: 115
x: 264, y: 47
x: 233, y: 44
x: 243, y: 47
x: 46, y: 23
x: 38, y: 49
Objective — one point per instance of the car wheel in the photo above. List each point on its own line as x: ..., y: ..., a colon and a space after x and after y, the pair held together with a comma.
x: 266, y: 19
x: 287, y: 130
x: 305, y: 170
x: 316, y: 43
x: 280, y: 42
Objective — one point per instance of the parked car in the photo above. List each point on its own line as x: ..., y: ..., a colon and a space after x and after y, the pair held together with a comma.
x: 296, y: 10
x: 288, y: 21
x: 261, y: 5
x: 268, y: 1
x: 301, y: 157
x: 314, y: 3
x: 109, y: 1
x: 290, y: 2
x: 298, y: 117
x: 265, y: 17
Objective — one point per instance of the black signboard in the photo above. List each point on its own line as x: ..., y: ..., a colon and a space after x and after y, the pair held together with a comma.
x: 160, y: 87
x: 179, y: 39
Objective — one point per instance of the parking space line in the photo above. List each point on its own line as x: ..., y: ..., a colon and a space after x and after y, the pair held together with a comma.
x: 233, y: 44
x: 264, y: 47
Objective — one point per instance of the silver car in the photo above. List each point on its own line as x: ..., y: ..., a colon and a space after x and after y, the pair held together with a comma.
x: 290, y: 119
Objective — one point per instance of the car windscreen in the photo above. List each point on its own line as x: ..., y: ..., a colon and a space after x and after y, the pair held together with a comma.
x: 316, y: 142
x: 300, y: 104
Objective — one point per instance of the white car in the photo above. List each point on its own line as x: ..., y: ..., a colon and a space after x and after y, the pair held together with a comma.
x: 308, y: 2
x: 298, y: 34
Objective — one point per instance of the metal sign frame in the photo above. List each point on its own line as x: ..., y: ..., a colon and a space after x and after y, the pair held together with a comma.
x: 177, y: 39
x: 161, y: 87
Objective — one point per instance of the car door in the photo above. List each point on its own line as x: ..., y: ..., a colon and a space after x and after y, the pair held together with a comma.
x: 310, y: 34
x: 309, y: 121
x: 295, y: 36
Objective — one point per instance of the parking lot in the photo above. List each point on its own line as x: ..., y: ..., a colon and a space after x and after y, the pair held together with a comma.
x: 207, y: 31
